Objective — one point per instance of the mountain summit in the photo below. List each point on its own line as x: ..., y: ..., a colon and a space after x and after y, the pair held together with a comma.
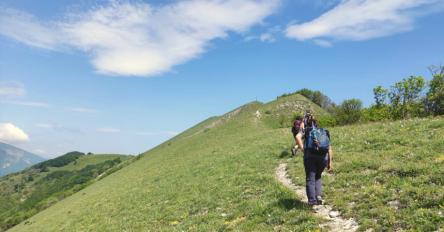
x: 13, y: 159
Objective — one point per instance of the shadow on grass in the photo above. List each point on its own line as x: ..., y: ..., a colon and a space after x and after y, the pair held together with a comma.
x: 290, y: 204
x: 284, y: 154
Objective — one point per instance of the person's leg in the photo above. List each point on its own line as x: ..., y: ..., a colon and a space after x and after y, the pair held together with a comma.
x: 298, y: 139
x: 310, y: 175
x: 295, y: 147
x: 320, y: 166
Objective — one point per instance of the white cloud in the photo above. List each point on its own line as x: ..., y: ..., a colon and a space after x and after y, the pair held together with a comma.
x: 11, y: 89
x: 161, y: 133
x: 12, y: 134
x: 28, y: 103
x: 323, y: 43
x: 267, y: 37
x: 60, y: 128
x: 81, y: 110
x: 139, y: 39
x: 27, y: 29
x: 45, y: 125
x: 363, y: 19
x: 108, y: 130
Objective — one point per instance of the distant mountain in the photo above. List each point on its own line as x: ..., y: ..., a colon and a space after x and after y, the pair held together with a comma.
x: 13, y: 159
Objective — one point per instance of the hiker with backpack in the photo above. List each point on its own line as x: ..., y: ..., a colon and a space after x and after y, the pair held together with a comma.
x: 318, y: 155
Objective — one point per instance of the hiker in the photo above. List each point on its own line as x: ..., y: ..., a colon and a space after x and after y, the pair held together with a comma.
x: 318, y: 155
x: 295, y: 131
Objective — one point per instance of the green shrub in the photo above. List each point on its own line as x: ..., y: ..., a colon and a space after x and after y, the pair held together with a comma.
x: 435, y: 95
x: 59, y: 161
x: 375, y: 114
x: 326, y: 121
x: 349, y: 112
x: 405, y: 98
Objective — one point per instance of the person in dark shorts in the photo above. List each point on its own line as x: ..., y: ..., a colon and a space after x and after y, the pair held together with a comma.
x: 295, y: 130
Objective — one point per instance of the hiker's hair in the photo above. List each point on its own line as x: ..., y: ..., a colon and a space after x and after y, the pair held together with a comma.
x: 311, y: 121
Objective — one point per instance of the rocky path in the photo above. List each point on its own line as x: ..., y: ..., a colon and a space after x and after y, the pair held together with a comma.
x: 334, y: 222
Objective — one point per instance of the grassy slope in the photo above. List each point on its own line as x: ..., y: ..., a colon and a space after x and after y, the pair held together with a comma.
x: 86, y: 160
x: 281, y: 112
x: 13, y: 202
x: 213, y: 177
x: 219, y: 175
x: 388, y: 175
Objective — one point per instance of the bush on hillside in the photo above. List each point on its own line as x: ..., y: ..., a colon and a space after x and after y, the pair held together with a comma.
x: 316, y: 97
x: 435, y: 95
x: 54, y: 187
x: 405, y: 98
x: 59, y: 161
x: 375, y: 114
x: 349, y: 111
x: 326, y: 121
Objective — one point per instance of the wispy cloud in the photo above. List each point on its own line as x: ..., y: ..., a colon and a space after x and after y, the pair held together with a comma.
x: 45, y: 125
x: 108, y: 130
x: 363, y: 19
x: 10, y: 133
x: 161, y: 133
x: 28, y: 103
x: 269, y: 36
x: 138, y: 39
x: 47, y: 105
x: 60, y: 128
x: 27, y: 29
x: 323, y: 43
x: 11, y: 89
x: 81, y: 110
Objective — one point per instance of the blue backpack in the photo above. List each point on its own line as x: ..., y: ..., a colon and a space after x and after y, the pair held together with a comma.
x: 317, y: 141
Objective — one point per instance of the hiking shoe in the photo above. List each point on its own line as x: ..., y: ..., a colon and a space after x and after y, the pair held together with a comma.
x: 312, y: 205
x: 294, y: 150
x: 319, y: 200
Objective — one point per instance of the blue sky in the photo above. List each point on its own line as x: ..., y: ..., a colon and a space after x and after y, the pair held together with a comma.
x: 123, y: 76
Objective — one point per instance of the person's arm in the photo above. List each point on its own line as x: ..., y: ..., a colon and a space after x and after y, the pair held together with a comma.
x: 330, y: 159
x: 299, y: 141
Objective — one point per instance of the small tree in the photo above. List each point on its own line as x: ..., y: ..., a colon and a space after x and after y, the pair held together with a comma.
x: 435, y: 95
x: 405, y: 97
x: 350, y: 111
x: 380, y: 94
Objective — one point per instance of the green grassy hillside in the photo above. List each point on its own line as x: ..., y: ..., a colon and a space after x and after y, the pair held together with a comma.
x: 388, y: 175
x: 220, y: 175
x: 281, y: 112
x: 25, y: 193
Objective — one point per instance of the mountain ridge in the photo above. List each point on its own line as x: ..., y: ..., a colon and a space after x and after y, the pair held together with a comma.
x: 14, y: 159
x: 219, y: 175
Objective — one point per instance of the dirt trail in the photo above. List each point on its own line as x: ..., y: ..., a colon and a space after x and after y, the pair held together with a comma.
x: 334, y: 222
